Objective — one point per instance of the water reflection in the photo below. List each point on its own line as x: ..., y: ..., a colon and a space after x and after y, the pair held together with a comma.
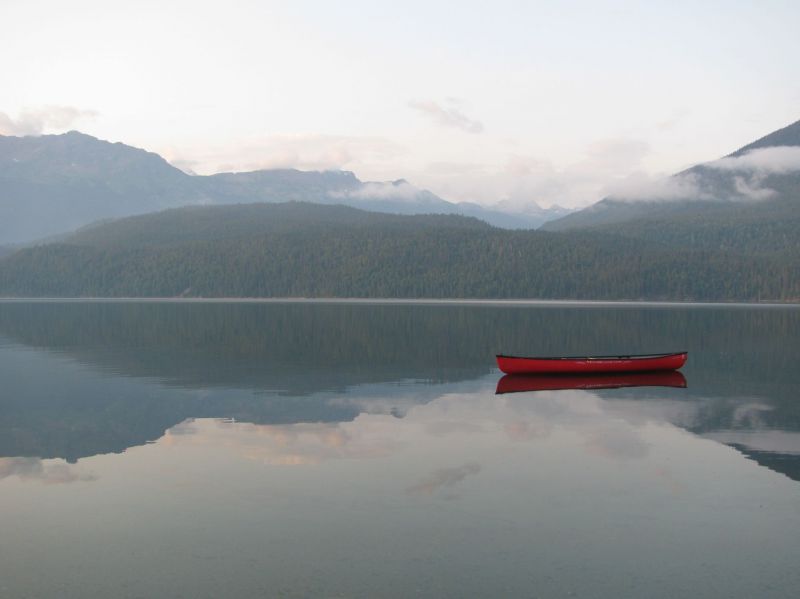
x: 87, y: 379
x: 299, y: 349
x: 444, y: 479
x: 451, y: 418
x: 607, y: 424
x: 465, y: 494
x: 520, y: 383
x: 45, y: 471
x: 242, y: 451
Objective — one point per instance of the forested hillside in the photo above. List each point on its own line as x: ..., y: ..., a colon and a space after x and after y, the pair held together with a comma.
x: 303, y: 250
x: 751, y: 229
x: 209, y: 223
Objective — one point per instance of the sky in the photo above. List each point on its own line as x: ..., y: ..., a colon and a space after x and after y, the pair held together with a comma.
x: 519, y: 102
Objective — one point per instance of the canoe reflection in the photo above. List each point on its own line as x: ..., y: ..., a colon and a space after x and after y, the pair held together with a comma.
x: 516, y: 383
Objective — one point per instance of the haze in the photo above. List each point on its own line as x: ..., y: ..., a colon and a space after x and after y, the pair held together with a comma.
x: 514, y: 101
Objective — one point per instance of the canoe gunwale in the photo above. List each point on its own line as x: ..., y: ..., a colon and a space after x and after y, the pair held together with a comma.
x: 594, y: 364
x: 626, y: 357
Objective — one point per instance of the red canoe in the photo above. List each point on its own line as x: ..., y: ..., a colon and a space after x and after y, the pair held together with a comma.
x: 574, y: 365
x: 516, y: 383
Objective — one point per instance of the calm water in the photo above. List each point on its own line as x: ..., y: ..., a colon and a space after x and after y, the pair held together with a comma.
x: 292, y: 450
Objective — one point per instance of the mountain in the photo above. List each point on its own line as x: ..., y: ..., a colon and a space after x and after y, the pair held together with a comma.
x: 177, y: 226
x: 500, y: 215
x: 788, y: 136
x: 54, y: 184
x: 311, y: 250
x: 343, y: 187
x: 752, y: 228
x: 762, y: 176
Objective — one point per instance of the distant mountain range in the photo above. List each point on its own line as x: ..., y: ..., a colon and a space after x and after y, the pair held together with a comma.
x: 727, y: 230
x: 758, y: 182
x: 54, y: 184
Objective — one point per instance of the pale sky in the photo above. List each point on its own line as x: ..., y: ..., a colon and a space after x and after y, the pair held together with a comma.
x: 553, y: 102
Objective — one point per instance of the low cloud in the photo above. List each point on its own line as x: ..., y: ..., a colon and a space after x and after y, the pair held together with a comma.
x: 775, y: 160
x: 333, y: 157
x: 523, y: 180
x: 613, y: 168
x: 398, y: 190
x: 41, y: 120
x: 318, y: 152
x: 448, y: 115
x: 614, y: 155
x: 641, y: 186
x: 187, y: 166
x: 749, y: 173
x: 751, y: 187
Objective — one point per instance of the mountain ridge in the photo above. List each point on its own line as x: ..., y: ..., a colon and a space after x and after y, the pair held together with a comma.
x: 312, y: 250
x: 53, y: 184
x: 732, y: 182
x: 785, y: 136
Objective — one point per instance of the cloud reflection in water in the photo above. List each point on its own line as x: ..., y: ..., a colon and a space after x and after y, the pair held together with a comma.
x: 51, y: 472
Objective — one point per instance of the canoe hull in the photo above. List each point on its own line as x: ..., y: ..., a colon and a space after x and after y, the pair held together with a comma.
x: 598, y: 364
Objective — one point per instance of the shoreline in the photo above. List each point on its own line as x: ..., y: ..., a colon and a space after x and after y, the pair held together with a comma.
x: 402, y: 301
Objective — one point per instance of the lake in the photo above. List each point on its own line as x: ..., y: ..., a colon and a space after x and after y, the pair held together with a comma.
x: 359, y: 450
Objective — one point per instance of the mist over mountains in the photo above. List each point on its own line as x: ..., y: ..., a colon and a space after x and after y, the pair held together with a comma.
x: 53, y: 184
x: 760, y: 178
x: 728, y: 230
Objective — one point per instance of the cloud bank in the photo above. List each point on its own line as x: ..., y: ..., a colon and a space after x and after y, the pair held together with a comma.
x: 398, y: 190
x: 40, y: 120
x: 449, y: 115
x: 523, y: 181
x: 746, y: 179
x: 318, y: 152
x: 641, y: 186
x: 775, y: 160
